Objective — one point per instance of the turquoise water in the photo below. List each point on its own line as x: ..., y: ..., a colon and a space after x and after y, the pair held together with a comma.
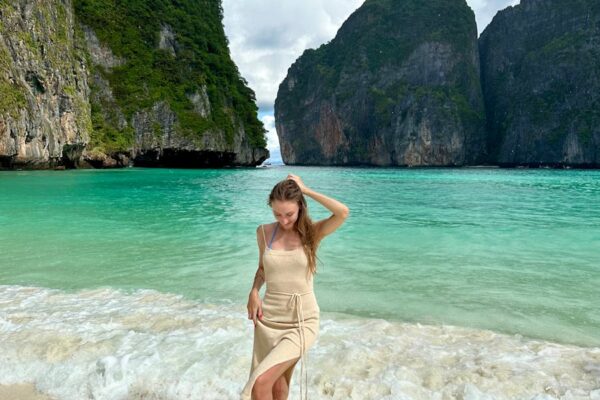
x: 514, y: 251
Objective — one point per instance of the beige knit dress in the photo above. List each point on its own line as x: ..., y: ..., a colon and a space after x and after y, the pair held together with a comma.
x: 290, y: 322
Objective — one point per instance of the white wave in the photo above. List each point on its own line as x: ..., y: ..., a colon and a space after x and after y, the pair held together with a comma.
x: 107, y: 344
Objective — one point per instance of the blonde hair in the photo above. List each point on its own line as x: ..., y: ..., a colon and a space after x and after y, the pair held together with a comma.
x: 288, y: 190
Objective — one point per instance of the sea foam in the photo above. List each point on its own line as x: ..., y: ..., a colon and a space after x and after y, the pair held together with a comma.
x: 109, y: 344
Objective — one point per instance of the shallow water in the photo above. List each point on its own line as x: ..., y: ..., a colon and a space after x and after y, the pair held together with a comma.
x: 497, y: 252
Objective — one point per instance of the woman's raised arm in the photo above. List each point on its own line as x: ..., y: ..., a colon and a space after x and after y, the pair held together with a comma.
x: 339, y: 210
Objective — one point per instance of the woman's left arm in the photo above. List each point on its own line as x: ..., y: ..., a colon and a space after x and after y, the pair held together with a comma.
x: 339, y: 210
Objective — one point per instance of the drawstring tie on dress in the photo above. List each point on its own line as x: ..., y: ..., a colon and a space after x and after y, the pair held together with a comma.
x: 296, y: 302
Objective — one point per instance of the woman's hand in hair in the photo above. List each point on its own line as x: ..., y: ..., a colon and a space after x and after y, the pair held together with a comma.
x: 297, y: 179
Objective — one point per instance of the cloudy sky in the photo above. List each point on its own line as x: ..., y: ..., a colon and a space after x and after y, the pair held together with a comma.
x: 266, y: 37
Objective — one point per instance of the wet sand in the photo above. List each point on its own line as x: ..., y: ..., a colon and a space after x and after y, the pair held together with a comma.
x: 21, y: 391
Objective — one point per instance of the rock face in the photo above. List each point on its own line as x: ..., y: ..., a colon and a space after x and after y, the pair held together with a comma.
x: 44, y: 109
x: 105, y: 84
x: 399, y: 85
x: 541, y: 81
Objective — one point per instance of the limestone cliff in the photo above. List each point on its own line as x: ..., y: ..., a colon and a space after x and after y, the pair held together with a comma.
x: 105, y: 84
x: 398, y: 85
x: 44, y: 109
x: 541, y: 82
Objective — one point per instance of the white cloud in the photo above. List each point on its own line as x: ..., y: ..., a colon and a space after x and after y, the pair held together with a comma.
x: 486, y: 9
x: 272, y: 140
x: 267, y: 36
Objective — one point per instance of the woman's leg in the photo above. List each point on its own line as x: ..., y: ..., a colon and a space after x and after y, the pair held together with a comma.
x: 263, y: 385
x: 280, y: 388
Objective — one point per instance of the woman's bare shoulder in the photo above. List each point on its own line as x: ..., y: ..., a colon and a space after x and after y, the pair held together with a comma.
x: 267, y: 227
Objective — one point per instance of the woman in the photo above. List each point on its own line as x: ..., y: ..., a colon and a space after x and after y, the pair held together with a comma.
x: 286, y: 322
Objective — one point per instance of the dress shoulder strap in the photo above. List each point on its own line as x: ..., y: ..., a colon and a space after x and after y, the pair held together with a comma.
x: 262, y: 227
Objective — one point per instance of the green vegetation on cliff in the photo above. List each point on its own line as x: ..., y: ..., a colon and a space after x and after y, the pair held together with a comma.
x: 398, y: 85
x: 11, y: 95
x: 380, y: 35
x: 541, y: 79
x: 132, y: 31
x: 39, y: 56
x: 388, y: 33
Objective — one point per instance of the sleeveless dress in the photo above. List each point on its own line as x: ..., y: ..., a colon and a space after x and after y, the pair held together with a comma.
x: 290, y: 323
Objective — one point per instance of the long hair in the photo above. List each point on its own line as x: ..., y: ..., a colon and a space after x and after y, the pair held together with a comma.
x: 288, y: 190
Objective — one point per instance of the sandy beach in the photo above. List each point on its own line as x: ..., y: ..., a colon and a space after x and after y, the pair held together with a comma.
x: 25, y: 391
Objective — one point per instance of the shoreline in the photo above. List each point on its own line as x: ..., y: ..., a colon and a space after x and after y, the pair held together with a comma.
x: 339, y: 316
x: 154, y: 343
